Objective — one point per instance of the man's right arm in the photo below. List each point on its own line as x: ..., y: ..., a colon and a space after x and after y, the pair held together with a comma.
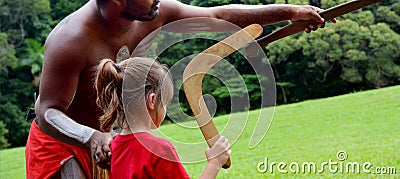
x: 60, y: 76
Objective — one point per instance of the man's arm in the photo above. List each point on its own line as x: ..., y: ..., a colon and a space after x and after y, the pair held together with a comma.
x: 244, y: 15
x: 60, y: 76
x: 61, y: 70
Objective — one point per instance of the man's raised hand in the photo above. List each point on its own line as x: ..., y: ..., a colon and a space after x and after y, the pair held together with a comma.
x: 308, y: 12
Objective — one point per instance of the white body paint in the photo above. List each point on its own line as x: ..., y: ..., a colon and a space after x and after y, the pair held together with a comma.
x: 67, y: 126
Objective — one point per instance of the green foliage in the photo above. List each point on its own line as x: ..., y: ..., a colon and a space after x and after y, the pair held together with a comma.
x: 385, y: 14
x: 12, y: 92
x: 390, y: 15
x: 14, y: 120
x: 357, y: 49
x: 16, y: 97
x: 209, y: 3
x: 21, y: 23
x: 396, y: 7
x: 384, y: 46
x: 24, y: 26
x: 7, y: 53
x: 330, y: 3
x: 34, y: 56
x: 62, y: 8
x: 3, y: 140
x: 24, y: 18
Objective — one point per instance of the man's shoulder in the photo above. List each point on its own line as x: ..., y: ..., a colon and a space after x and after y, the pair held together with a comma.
x: 68, y: 31
x: 69, y: 44
x: 76, y: 29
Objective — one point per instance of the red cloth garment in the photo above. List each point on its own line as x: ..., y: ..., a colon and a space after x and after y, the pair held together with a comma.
x: 142, y: 155
x: 45, y: 155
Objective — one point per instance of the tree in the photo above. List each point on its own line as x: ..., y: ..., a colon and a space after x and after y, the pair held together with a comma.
x: 33, y: 58
x: 62, y: 8
x: 16, y: 96
x: 24, y: 18
x: 363, y: 54
x: 316, y: 3
x: 15, y: 93
x: 390, y: 15
x: 3, y: 131
x: 7, y: 53
x: 18, y: 128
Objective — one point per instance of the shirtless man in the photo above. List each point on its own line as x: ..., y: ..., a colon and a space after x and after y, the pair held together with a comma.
x: 66, y: 107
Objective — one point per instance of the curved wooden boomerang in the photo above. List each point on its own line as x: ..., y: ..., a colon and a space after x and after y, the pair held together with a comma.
x: 299, y: 26
x: 198, y: 67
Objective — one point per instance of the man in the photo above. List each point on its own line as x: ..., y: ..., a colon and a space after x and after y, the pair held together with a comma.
x: 66, y: 107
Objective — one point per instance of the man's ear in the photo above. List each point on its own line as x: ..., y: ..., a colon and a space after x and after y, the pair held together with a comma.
x: 151, y: 101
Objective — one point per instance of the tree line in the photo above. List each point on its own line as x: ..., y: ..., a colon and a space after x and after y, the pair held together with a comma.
x: 360, y: 52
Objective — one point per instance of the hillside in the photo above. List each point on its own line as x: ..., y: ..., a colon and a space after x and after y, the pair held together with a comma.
x: 365, y: 125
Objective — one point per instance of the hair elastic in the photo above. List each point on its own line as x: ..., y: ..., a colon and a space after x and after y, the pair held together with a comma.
x: 118, y: 68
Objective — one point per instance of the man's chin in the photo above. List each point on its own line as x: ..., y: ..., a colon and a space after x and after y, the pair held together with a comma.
x: 144, y: 18
x: 152, y: 17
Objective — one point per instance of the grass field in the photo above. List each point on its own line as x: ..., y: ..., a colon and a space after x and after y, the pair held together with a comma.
x: 365, y: 125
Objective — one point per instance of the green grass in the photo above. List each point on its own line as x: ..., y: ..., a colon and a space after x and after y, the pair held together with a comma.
x: 12, y: 163
x: 366, y: 125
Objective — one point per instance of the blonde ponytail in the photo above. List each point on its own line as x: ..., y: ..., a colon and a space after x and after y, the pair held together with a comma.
x: 143, y: 76
x: 108, y: 86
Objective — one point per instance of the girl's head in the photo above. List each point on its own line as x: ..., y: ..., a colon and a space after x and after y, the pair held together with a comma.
x: 132, y: 89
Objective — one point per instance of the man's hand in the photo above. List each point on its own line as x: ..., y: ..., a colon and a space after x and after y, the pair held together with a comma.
x: 308, y: 12
x: 99, y: 144
x: 219, y: 153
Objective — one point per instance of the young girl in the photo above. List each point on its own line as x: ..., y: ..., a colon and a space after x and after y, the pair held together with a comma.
x: 136, y: 153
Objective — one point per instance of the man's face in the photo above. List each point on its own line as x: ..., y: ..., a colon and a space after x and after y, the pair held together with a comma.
x: 141, y: 10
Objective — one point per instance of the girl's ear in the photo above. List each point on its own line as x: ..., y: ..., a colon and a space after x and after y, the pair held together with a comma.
x: 151, y: 101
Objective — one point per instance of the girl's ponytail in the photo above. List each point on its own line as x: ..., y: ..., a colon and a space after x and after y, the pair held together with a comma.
x: 108, y: 88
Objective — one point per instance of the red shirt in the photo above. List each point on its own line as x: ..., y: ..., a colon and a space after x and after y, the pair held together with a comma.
x: 142, y: 155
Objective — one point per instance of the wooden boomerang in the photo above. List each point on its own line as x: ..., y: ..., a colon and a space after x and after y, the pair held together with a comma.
x: 299, y: 26
x: 198, y: 67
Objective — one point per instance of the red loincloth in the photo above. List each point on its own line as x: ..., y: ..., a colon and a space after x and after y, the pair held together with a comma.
x: 45, y: 155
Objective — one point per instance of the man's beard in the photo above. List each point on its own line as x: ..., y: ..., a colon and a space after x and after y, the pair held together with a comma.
x: 148, y: 17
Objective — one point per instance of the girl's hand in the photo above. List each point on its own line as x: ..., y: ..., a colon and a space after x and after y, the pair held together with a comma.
x: 218, y: 154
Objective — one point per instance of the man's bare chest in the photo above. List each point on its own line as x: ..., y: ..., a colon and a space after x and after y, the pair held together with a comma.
x: 136, y: 44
